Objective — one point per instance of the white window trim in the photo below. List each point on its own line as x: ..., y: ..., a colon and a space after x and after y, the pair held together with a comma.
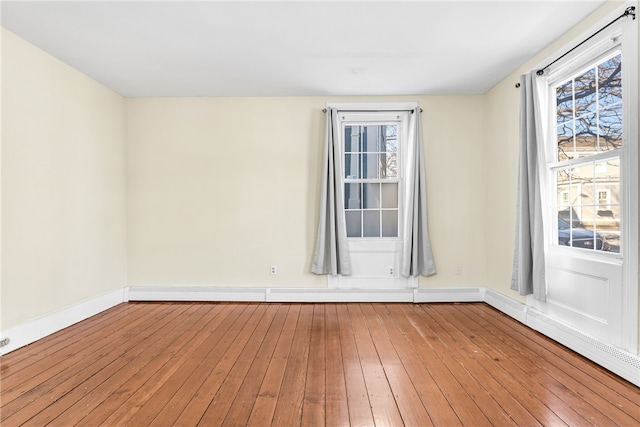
x: 629, y: 174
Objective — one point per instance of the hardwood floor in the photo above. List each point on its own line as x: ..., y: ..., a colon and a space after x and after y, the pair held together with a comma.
x: 237, y: 364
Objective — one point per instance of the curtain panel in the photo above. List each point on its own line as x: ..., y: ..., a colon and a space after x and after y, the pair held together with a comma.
x: 529, y: 272
x: 331, y: 255
x: 417, y: 256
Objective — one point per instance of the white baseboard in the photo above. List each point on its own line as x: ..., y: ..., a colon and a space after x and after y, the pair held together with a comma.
x: 34, y: 330
x: 338, y: 295
x: 212, y: 293
x: 507, y: 305
x: 470, y: 294
x: 195, y: 293
x: 618, y: 361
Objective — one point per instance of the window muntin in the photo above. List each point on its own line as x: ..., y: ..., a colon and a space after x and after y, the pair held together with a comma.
x: 371, y: 178
x: 589, y: 140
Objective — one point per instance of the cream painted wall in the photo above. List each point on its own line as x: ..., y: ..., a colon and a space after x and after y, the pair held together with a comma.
x: 502, y: 114
x: 63, y: 188
x: 222, y: 188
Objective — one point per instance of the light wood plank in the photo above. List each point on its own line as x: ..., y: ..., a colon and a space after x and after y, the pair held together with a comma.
x: 337, y: 410
x: 357, y: 395
x: 408, y: 401
x: 288, y: 410
x: 383, y: 404
x: 345, y: 364
x: 156, y: 362
x: 439, y: 409
x: 437, y: 361
x: 313, y: 406
x: 228, y: 391
x: 245, y: 398
x: 189, y: 378
x: 264, y: 407
x: 70, y: 408
x: 216, y: 366
x: 487, y: 371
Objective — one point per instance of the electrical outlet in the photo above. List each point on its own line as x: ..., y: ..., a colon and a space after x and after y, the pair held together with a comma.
x: 391, y: 271
x: 274, y: 269
x: 459, y: 270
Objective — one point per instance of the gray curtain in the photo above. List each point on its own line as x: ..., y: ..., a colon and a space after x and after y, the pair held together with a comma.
x: 331, y: 254
x: 417, y: 257
x: 528, y: 275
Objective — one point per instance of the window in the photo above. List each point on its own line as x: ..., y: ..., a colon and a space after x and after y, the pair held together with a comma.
x: 603, y: 199
x: 371, y: 144
x: 588, y: 146
x: 370, y: 148
x: 589, y: 109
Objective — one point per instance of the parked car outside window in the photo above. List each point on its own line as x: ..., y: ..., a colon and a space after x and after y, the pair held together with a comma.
x: 580, y: 237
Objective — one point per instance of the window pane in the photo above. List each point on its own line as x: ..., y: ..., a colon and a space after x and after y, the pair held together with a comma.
x: 582, y: 235
x: 564, y: 102
x: 371, y: 223
x: 608, y: 202
x: 565, y: 141
x: 371, y: 196
x: 370, y: 166
x: 610, y: 81
x: 583, y: 179
x: 390, y: 195
x: 610, y: 129
x: 585, y: 92
x: 389, y: 165
x: 352, y: 196
x: 390, y: 223
x: 609, y: 237
x: 390, y: 138
x: 563, y: 185
x: 608, y: 180
x: 352, y: 166
x: 351, y: 139
x: 354, y: 223
x: 586, y: 135
x: 564, y: 227
x: 372, y: 139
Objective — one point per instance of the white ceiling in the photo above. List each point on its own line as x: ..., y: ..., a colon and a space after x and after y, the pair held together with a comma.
x: 294, y: 48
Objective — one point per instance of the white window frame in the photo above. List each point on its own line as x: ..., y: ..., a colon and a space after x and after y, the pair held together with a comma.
x: 625, y: 35
x: 603, y: 48
x: 377, y: 113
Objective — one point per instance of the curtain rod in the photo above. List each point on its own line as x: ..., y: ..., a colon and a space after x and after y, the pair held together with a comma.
x: 324, y: 110
x: 631, y: 10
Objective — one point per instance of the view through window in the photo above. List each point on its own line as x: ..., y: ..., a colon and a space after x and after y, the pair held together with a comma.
x: 589, y: 143
x: 371, y: 179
